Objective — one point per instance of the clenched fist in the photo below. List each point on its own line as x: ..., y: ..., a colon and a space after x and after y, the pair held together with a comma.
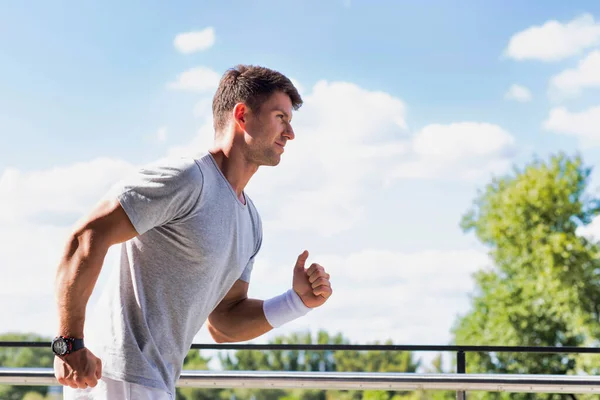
x: 312, y: 283
x: 80, y: 369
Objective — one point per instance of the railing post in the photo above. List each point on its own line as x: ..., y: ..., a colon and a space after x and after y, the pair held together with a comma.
x: 461, y: 369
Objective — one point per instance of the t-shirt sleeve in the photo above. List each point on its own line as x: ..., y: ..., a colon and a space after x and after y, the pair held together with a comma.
x: 159, y: 193
x: 259, y: 236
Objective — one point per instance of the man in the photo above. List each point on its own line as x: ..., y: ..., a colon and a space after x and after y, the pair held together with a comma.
x: 189, y: 235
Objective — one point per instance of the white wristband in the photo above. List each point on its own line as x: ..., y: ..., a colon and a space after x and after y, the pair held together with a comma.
x: 284, y: 308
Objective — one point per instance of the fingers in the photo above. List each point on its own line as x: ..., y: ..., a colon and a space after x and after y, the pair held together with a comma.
x: 79, y: 370
x: 315, y: 271
x: 301, y: 260
x: 92, y: 381
x: 319, y: 280
x: 322, y: 275
x: 80, y: 381
x: 323, y: 291
x: 92, y: 375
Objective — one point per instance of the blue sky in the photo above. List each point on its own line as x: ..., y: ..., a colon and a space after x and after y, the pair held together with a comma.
x: 89, y: 75
x: 85, y: 89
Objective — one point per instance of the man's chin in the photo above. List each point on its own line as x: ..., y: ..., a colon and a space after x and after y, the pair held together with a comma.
x: 272, y: 161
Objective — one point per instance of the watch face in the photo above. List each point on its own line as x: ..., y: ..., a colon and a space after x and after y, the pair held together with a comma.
x: 60, y: 346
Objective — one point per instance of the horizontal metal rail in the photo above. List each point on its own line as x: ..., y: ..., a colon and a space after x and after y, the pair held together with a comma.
x: 364, y: 347
x: 348, y: 381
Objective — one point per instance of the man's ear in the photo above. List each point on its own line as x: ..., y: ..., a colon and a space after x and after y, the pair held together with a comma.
x: 240, y: 113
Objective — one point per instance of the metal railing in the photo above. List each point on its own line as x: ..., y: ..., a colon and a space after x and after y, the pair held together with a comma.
x: 461, y: 382
x: 347, y: 381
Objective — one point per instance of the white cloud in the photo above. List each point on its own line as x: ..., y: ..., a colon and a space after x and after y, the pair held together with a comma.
x: 41, y: 245
x: 518, y: 93
x: 190, y: 42
x: 459, y: 151
x: 199, y: 79
x: 555, y: 40
x: 455, y: 141
x: 201, y: 142
x: 571, y: 82
x: 417, y: 308
x: 584, y: 125
x: 37, y: 212
x: 56, y: 193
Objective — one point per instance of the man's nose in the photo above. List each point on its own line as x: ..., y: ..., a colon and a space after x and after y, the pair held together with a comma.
x: 289, y: 132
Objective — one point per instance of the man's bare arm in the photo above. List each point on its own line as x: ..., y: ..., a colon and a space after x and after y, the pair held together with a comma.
x: 238, y: 318
x: 82, y: 261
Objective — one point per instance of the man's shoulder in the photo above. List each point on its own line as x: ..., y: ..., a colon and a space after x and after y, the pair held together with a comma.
x: 172, y: 169
x: 173, y: 164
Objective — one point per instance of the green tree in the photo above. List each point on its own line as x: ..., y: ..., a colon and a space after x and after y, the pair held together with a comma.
x: 24, y: 357
x: 327, y: 361
x: 33, y: 396
x: 194, y: 361
x: 285, y: 360
x: 543, y: 288
x: 376, y: 361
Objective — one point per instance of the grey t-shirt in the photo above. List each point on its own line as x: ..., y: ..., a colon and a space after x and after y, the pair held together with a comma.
x: 196, y: 239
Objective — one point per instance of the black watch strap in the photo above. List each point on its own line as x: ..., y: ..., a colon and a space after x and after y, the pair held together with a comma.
x: 77, y: 344
x: 62, y: 345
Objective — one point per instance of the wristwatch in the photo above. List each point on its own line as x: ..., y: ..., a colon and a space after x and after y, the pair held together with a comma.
x: 62, y: 345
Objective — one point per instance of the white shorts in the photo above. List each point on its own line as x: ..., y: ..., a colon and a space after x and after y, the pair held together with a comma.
x: 110, y: 389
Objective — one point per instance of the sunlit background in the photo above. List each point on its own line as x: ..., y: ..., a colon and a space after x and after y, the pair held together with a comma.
x: 410, y: 109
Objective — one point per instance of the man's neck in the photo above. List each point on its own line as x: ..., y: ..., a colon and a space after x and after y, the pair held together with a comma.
x: 234, y: 166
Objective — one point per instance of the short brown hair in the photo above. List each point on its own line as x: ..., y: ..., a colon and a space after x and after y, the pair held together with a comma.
x: 250, y: 85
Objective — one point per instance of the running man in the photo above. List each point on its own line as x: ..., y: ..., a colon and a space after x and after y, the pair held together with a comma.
x: 189, y: 235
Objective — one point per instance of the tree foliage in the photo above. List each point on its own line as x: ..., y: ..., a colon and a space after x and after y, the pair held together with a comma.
x: 28, y: 357
x: 195, y: 361
x: 543, y: 288
x: 309, y: 360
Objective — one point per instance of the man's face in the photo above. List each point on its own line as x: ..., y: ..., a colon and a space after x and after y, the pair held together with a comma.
x: 268, y: 131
